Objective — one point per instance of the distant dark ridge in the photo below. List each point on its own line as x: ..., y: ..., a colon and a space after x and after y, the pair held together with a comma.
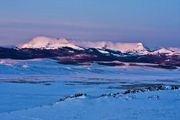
x: 14, y: 53
x: 108, y: 57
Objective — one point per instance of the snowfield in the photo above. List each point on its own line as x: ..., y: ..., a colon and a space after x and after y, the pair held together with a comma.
x: 42, y: 89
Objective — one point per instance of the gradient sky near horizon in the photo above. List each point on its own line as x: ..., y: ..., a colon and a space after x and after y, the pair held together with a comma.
x: 156, y: 23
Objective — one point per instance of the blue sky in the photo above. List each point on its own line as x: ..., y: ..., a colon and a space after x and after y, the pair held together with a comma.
x: 153, y: 22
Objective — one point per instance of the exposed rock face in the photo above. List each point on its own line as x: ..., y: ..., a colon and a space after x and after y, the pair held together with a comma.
x: 127, y: 90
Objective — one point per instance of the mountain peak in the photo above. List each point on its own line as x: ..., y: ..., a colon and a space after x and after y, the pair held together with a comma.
x: 42, y: 42
x: 118, y: 46
x: 128, y: 47
x: 167, y: 51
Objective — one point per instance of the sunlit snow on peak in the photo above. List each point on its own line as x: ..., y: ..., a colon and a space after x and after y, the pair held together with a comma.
x: 48, y: 43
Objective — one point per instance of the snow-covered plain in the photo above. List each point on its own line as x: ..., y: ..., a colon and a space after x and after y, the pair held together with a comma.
x: 42, y: 89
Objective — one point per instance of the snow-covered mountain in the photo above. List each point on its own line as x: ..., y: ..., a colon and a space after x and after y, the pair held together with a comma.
x: 43, y: 42
x: 167, y: 51
x: 48, y: 43
x: 104, y: 53
x: 52, y: 43
x: 123, y: 47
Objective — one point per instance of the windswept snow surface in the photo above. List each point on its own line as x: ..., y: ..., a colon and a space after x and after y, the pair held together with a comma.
x: 42, y: 89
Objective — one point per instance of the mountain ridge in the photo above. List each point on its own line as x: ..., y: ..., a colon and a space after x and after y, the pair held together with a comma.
x: 42, y: 42
x: 67, y: 52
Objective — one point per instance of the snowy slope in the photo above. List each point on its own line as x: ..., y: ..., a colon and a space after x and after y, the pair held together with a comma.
x: 45, y: 90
